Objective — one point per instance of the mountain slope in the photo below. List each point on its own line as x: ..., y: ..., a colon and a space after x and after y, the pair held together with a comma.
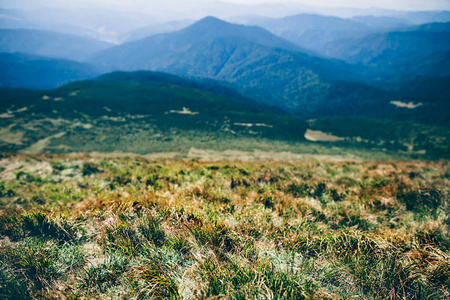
x: 37, y: 72
x: 419, y: 51
x: 314, y: 32
x: 383, y: 23
x: 140, y: 116
x: 145, y: 112
x: 387, y: 46
x: 207, y: 85
x: 184, y: 42
x: 48, y: 43
x: 422, y: 17
x: 260, y: 65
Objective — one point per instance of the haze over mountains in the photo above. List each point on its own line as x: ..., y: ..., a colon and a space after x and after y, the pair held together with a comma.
x: 48, y: 43
x: 391, y: 66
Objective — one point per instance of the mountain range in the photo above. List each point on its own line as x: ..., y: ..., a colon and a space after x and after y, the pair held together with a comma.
x: 269, y: 69
x: 389, y: 46
x: 257, y: 63
x: 418, y: 51
x: 312, y: 31
x: 318, y: 68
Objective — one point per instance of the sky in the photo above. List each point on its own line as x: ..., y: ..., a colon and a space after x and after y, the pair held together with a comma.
x: 147, y: 4
x: 390, y: 4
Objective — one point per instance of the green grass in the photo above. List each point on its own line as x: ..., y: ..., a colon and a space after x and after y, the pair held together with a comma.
x: 79, y: 227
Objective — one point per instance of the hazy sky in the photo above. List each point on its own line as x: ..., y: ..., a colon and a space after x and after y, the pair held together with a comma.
x: 393, y: 4
x: 390, y: 4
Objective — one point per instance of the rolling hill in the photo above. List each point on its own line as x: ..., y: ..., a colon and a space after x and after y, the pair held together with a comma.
x: 146, y: 112
x: 138, y: 113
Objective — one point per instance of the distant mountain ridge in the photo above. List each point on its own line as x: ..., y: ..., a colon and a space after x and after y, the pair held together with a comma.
x: 387, y: 46
x: 418, y: 51
x: 205, y: 31
x: 38, y: 72
x: 312, y: 31
x: 48, y: 43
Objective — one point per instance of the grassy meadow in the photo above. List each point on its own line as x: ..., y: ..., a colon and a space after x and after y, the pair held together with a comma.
x: 82, y: 227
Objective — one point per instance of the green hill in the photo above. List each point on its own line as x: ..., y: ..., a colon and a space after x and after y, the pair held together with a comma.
x: 146, y: 112
x: 114, y: 113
